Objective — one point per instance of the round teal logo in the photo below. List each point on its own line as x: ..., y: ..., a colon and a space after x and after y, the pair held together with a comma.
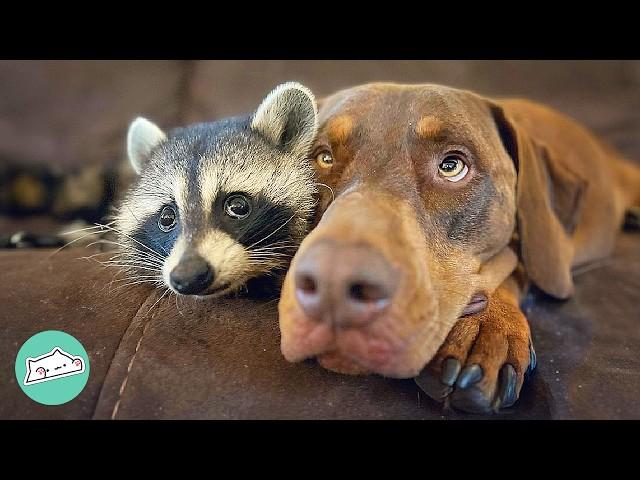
x: 52, y: 367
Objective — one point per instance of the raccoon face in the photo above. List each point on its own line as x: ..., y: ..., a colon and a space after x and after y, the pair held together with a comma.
x: 217, y: 204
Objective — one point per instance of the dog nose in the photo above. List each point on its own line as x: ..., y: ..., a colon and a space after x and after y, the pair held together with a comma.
x: 347, y: 286
x: 192, y: 275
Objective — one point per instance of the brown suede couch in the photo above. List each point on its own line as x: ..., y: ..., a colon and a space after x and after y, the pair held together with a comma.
x: 221, y: 360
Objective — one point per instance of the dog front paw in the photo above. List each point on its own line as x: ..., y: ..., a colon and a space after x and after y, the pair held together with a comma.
x: 483, y: 363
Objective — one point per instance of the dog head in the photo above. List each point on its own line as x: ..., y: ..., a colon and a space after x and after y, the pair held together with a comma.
x: 418, y: 212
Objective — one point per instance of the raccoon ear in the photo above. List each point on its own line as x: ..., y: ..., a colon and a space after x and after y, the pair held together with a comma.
x: 288, y: 117
x: 142, y: 137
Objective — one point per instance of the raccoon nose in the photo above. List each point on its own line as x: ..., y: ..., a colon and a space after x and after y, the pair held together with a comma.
x: 192, y: 275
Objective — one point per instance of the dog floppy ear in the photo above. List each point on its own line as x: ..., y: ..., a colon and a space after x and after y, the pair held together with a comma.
x: 549, y: 200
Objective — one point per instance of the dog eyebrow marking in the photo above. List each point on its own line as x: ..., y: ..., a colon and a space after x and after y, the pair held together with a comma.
x: 340, y: 128
x: 429, y: 127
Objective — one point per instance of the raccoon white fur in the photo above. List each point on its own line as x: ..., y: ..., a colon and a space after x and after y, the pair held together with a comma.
x: 218, y: 204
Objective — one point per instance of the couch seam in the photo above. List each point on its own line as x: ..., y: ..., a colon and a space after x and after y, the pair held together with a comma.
x: 129, y: 367
x: 115, y: 352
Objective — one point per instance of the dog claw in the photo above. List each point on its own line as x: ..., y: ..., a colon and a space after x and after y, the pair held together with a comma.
x: 533, y: 360
x: 432, y: 386
x: 450, y: 370
x: 470, y: 375
x: 507, y: 382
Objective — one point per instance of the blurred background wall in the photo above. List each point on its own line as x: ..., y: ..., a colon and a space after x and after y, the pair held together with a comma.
x: 70, y: 113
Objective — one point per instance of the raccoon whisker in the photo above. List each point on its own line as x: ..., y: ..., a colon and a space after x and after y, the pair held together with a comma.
x: 133, y: 214
x: 138, y: 277
x: 282, y: 250
x: 333, y: 196
x: 270, y: 271
x: 161, y: 297
x: 137, y: 282
x: 267, y: 270
x: 274, y: 232
x: 275, y: 246
x: 177, y: 308
x: 129, y: 273
x: 267, y: 262
x: 128, y: 261
x: 132, y: 260
x: 72, y: 242
x: 278, y: 259
x: 89, y: 257
x: 272, y: 254
x: 128, y: 247
x: 132, y: 257
x: 137, y: 241
x: 87, y: 228
x: 127, y: 265
x: 120, y: 287
x: 136, y: 255
x: 143, y: 278
x: 146, y: 278
x: 269, y: 255
x: 131, y: 252
x: 132, y: 267
x: 271, y: 302
x: 129, y: 268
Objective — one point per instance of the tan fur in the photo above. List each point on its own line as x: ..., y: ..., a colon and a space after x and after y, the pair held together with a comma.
x: 429, y: 127
x: 340, y: 128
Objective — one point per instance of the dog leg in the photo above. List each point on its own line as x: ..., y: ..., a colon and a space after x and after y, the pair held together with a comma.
x: 486, y: 357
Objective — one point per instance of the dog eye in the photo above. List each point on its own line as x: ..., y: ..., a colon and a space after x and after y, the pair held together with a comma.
x: 453, y: 168
x: 237, y: 206
x: 167, y: 219
x: 324, y: 160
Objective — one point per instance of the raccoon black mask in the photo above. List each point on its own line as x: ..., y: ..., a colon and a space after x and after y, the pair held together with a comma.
x: 218, y: 204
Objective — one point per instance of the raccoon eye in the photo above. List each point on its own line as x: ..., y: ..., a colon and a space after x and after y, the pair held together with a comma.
x: 324, y: 160
x: 167, y: 219
x: 453, y: 168
x: 237, y: 206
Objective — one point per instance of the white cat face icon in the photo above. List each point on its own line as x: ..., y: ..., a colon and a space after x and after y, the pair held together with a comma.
x: 52, y: 365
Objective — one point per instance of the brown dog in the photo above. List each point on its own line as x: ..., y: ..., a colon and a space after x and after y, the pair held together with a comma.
x: 446, y: 205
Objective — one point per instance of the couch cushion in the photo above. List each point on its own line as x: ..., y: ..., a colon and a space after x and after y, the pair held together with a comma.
x: 193, y: 359
x: 72, y: 113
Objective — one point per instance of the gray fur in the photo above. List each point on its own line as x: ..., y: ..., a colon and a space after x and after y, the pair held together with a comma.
x: 264, y: 155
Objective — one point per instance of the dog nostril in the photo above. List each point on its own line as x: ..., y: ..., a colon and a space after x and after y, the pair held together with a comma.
x: 307, y: 293
x: 307, y: 284
x: 367, y: 292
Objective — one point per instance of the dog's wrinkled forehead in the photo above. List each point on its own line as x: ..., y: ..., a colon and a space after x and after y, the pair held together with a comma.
x: 393, y: 113
x: 394, y: 138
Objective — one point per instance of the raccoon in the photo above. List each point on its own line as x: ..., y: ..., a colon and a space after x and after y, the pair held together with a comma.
x: 217, y: 205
